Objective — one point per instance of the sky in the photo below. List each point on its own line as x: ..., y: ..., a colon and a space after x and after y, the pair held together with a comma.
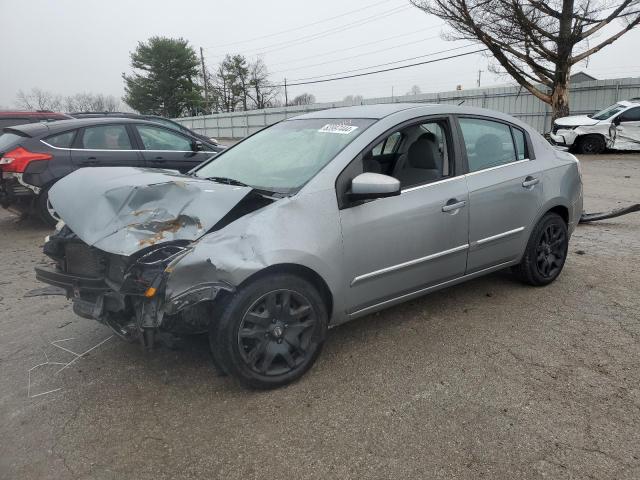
x: 79, y: 46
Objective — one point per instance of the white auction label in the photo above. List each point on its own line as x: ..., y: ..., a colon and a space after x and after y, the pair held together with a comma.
x: 338, y: 128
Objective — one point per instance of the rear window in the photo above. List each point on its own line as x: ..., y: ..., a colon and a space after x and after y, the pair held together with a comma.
x: 7, y: 140
x: 62, y: 140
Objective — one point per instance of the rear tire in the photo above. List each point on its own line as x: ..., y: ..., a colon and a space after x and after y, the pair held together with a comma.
x: 546, y: 251
x: 44, y: 209
x: 270, y: 331
x: 591, y: 144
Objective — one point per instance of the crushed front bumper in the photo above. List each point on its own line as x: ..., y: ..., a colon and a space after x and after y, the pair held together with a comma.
x: 14, y: 192
x: 563, y: 137
x: 129, y: 294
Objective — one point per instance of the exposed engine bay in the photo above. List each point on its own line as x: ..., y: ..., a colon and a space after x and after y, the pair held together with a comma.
x: 128, y: 294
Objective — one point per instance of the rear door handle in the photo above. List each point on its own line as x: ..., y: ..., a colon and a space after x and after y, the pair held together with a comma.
x: 530, y: 182
x: 159, y: 160
x: 89, y: 161
x: 453, y: 204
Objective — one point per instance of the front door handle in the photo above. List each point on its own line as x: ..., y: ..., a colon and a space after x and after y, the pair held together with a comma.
x: 530, y: 182
x: 453, y: 204
x: 159, y: 160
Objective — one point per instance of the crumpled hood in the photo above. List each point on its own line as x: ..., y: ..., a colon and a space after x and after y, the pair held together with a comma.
x: 124, y: 209
x: 575, y: 121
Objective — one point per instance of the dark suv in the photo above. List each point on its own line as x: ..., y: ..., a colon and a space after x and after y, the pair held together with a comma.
x: 16, y: 117
x: 34, y: 156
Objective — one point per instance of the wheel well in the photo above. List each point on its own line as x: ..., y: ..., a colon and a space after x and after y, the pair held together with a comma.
x: 586, y: 135
x: 562, y: 211
x: 301, y: 271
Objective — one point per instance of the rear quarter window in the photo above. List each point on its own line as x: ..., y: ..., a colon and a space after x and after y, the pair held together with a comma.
x: 62, y: 140
x: 7, y: 140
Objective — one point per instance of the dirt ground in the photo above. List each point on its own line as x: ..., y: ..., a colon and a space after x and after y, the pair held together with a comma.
x: 490, y: 379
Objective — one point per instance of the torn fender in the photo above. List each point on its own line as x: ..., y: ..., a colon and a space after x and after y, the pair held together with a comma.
x: 122, y: 210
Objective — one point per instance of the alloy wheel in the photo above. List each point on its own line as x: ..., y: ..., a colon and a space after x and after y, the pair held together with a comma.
x: 551, y: 250
x: 276, y: 332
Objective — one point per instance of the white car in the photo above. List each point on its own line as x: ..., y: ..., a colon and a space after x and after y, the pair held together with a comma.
x: 616, y: 127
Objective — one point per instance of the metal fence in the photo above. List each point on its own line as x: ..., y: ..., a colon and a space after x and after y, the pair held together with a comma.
x: 586, y: 97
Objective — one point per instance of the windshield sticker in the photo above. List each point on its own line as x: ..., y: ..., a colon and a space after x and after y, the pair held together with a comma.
x: 338, y: 128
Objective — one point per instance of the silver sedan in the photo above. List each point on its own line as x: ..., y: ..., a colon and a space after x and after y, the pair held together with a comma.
x: 310, y: 223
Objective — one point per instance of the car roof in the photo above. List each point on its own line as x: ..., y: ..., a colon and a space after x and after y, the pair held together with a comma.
x: 31, y: 113
x: 376, y: 111
x: 50, y: 128
x: 380, y: 111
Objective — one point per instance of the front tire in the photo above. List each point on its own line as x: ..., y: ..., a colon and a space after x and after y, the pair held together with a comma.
x: 546, y: 251
x: 271, y: 331
x: 45, y: 210
x: 591, y: 144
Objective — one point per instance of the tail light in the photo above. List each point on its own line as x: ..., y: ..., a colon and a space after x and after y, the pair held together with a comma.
x: 17, y: 159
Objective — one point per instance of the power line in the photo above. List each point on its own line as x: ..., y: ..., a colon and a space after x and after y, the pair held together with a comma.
x: 384, y: 70
x: 356, y: 56
x: 301, y: 26
x: 308, y: 38
x: 359, y: 45
x: 387, y: 63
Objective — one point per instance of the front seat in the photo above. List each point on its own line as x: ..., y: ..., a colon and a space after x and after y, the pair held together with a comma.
x: 370, y: 164
x: 423, y: 163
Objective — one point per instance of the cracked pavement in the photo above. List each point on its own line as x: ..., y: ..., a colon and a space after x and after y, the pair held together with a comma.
x: 489, y: 379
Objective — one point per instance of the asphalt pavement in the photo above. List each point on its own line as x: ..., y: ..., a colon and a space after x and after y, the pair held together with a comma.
x: 489, y: 379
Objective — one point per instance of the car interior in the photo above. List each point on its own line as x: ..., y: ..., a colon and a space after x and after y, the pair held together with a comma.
x: 415, y: 155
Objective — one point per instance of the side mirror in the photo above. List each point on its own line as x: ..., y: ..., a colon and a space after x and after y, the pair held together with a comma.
x: 197, y: 146
x: 367, y: 186
x: 617, y: 120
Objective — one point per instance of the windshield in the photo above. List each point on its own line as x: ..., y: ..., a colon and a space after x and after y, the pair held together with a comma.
x: 608, y: 112
x: 285, y: 156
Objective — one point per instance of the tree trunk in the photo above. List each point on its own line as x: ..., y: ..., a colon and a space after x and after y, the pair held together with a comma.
x: 560, y: 102
x: 560, y: 93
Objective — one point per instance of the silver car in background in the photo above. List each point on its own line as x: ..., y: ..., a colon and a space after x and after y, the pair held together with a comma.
x: 310, y: 223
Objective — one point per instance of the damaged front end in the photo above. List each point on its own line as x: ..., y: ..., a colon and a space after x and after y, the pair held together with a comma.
x: 126, y: 230
x: 129, y: 294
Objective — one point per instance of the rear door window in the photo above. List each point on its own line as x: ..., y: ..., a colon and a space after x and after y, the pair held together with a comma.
x: 62, y: 140
x: 488, y: 143
x: 106, y: 137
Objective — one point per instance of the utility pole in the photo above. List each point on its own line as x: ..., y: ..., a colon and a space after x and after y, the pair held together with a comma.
x: 479, y: 75
x: 204, y: 79
x: 286, y: 98
x: 392, y: 93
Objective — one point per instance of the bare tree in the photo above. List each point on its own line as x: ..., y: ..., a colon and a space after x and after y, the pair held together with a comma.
x: 91, y: 102
x: 353, y: 99
x: 261, y: 92
x: 38, y: 99
x: 303, y: 99
x: 415, y: 90
x: 230, y: 81
x: 537, y: 41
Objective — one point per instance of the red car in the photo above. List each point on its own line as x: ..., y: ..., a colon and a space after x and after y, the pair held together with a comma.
x: 11, y: 118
